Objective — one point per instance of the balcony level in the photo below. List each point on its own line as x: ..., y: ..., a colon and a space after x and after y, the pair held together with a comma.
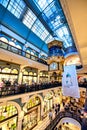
x: 36, y: 99
x: 21, y: 57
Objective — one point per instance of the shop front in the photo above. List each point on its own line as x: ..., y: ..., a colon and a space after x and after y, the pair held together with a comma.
x: 58, y: 96
x: 8, y: 71
x: 43, y: 77
x: 8, y: 117
x: 32, y: 113
x: 48, y: 102
x: 29, y: 76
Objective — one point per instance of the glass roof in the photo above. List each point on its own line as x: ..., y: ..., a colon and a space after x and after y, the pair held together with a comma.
x: 44, y: 16
x: 53, y: 14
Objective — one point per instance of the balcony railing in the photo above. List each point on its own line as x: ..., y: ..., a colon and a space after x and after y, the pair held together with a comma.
x: 61, y: 115
x: 18, y: 51
x: 23, y: 88
x: 20, y: 89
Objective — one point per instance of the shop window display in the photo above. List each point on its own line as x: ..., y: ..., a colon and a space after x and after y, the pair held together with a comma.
x: 48, y: 102
x: 30, y: 120
x: 29, y: 76
x: 43, y: 76
x: 33, y: 102
x: 32, y: 115
x: 10, y: 74
x: 8, y: 117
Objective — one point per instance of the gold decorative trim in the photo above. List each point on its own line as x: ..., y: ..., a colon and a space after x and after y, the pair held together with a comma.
x: 55, y: 42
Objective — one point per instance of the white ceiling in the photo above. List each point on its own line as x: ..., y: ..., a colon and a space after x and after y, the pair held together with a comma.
x: 76, y: 14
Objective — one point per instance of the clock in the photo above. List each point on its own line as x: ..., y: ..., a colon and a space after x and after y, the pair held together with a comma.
x: 53, y: 66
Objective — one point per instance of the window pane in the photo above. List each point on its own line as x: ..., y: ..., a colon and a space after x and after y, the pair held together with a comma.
x: 42, y: 4
x: 39, y: 30
x: 4, y: 2
x: 16, y: 7
x: 29, y: 18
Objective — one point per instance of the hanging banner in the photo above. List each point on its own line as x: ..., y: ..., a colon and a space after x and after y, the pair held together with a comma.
x: 70, y: 82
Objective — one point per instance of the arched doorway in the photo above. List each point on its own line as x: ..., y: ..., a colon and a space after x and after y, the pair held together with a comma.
x: 32, y: 114
x: 48, y: 102
x: 29, y: 75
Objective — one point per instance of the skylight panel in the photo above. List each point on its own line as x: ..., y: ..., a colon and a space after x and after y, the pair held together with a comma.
x: 39, y: 29
x: 49, y: 39
x: 16, y: 7
x: 29, y: 18
x: 42, y: 4
x: 4, y: 2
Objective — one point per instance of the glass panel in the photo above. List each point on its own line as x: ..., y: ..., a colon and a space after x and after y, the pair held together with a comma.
x: 4, y: 2
x: 18, y: 46
x: 42, y: 4
x: 31, y: 21
x: 39, y: 30
x: 64, y: 34
x: 25, y: 73
x: 53, y: 14
x: 33, y: 102
x: 12, y: 43
x: 7, y: 111
x: 6, y: 70
x: 16, y: 7
x: 3, y: 39
x: 14, y: 71
x: 29, y: 18
x: 49, y: 39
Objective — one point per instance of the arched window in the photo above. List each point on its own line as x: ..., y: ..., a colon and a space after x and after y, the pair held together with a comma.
x: 30, y: 73
x: 28, y: 51
x: 19, y: 47
x: 6, y: 70
x: 3, y: 39
x: 35, y: 74
x: 12, y: 43
x: 3, y: 42
x: 32, y: 53
x: 25, y: 72
x: 14, y: 71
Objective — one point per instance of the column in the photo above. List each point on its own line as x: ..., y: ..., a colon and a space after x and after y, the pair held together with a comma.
x: 38, y: 77
x: 20, y: 119
x: 20, y: 75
